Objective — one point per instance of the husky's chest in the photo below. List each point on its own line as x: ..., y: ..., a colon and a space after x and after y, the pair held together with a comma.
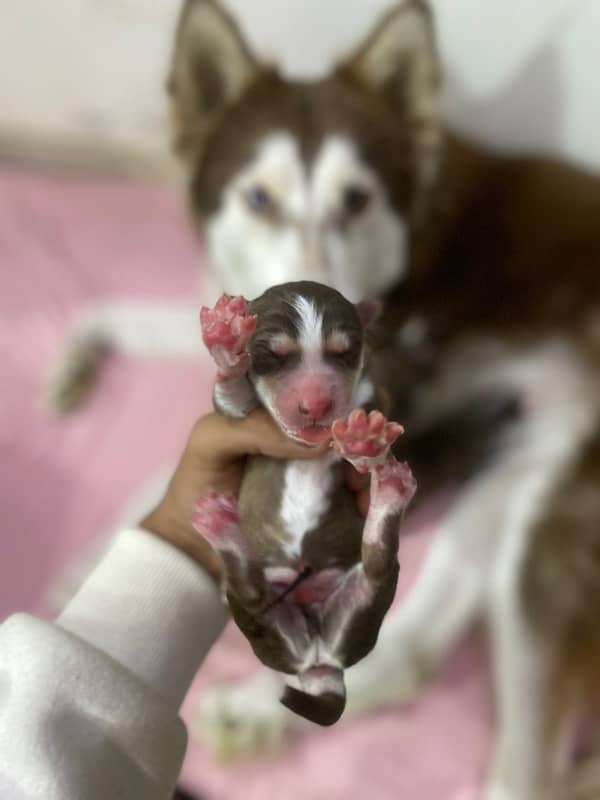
x: 559, y: 396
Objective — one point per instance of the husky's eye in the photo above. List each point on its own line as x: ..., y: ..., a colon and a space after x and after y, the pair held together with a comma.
x: 259, y: 200
x: 356, y: 199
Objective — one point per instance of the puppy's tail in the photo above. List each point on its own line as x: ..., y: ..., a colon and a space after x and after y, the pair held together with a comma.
x: 319, y: 694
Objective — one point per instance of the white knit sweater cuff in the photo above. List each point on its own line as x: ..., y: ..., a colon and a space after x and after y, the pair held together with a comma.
x: 152, y: 609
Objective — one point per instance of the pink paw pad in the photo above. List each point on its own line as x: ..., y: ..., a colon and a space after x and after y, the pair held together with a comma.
x: 396, y: 477
x: 216, y: 517
x: 226, y: 331
x: 363, y: 439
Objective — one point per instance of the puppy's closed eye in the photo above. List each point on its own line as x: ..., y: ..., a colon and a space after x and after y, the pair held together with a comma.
x: 347, y: 357
x: 267, y: 359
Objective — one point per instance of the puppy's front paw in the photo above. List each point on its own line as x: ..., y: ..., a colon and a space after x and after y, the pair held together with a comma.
x: 226, y: 330
x: 364, y: 439
x: 244, y: 721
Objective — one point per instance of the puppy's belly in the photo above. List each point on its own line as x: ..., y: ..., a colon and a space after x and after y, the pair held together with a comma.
x: 311, y: 590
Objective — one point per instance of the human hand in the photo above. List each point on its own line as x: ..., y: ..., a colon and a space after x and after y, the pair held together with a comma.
x: 214, y: 459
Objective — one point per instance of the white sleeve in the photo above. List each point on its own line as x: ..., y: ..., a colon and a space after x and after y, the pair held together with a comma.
x: 89, y: 705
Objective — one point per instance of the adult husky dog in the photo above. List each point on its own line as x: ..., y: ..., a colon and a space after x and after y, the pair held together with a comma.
x: 490, y: 272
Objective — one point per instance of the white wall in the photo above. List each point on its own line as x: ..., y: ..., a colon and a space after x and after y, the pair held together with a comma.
x: 519, y: 73
x: 80, y: 71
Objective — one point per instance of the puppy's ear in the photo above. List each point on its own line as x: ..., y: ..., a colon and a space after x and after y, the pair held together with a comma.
x: 369, y: 311
x: 399, y: 62
x: 211, y: 67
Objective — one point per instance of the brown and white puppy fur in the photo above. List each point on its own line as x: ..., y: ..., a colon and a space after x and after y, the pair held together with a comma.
x: 308, y: 581
x: 495, y: 264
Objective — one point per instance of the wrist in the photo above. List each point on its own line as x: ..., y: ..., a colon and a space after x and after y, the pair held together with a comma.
x: 163, y: 524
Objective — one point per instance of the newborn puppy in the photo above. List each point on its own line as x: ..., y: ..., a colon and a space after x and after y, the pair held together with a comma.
x: 307, y: 579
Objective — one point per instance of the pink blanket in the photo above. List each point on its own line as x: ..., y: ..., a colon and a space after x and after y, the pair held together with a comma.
x: 65, y: 243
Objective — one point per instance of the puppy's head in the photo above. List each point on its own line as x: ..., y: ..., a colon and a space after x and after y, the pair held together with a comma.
x: 307, y: 355
x: 292, y: 181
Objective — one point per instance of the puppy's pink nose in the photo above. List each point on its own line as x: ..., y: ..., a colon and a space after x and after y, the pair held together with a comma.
x: 315, y: 406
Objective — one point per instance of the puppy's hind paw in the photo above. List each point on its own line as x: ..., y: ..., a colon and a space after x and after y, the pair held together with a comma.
x: 216, y: 518
x: 393, y: 484
x: 364, y: 439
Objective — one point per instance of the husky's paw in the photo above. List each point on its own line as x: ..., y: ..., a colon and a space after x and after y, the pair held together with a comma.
x: 364, y: 439
x: 246, y: 720
x: 74, y: 376
x: 497, y: 791
x: 509, y: 776
x: 392, y: 675
x: 504, y: 781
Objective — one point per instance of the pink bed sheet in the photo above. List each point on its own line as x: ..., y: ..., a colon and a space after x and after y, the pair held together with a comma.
x: 67, y: 242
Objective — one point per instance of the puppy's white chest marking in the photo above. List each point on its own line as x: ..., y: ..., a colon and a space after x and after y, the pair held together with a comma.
x: 305, y: 498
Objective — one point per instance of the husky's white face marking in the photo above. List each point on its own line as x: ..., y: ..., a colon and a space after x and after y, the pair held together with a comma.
x: 280, y: 221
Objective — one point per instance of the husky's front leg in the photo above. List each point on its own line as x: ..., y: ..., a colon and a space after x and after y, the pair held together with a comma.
x: 140, y: 329
x: 518, y: 756
x: 530, y: 757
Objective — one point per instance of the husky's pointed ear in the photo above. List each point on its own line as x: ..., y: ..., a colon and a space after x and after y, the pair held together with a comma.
x: 211, y: 67
x: 399, y: 62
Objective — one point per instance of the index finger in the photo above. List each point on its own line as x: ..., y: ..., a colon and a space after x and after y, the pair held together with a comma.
x: 219, y: 440
x: 261, y: 435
